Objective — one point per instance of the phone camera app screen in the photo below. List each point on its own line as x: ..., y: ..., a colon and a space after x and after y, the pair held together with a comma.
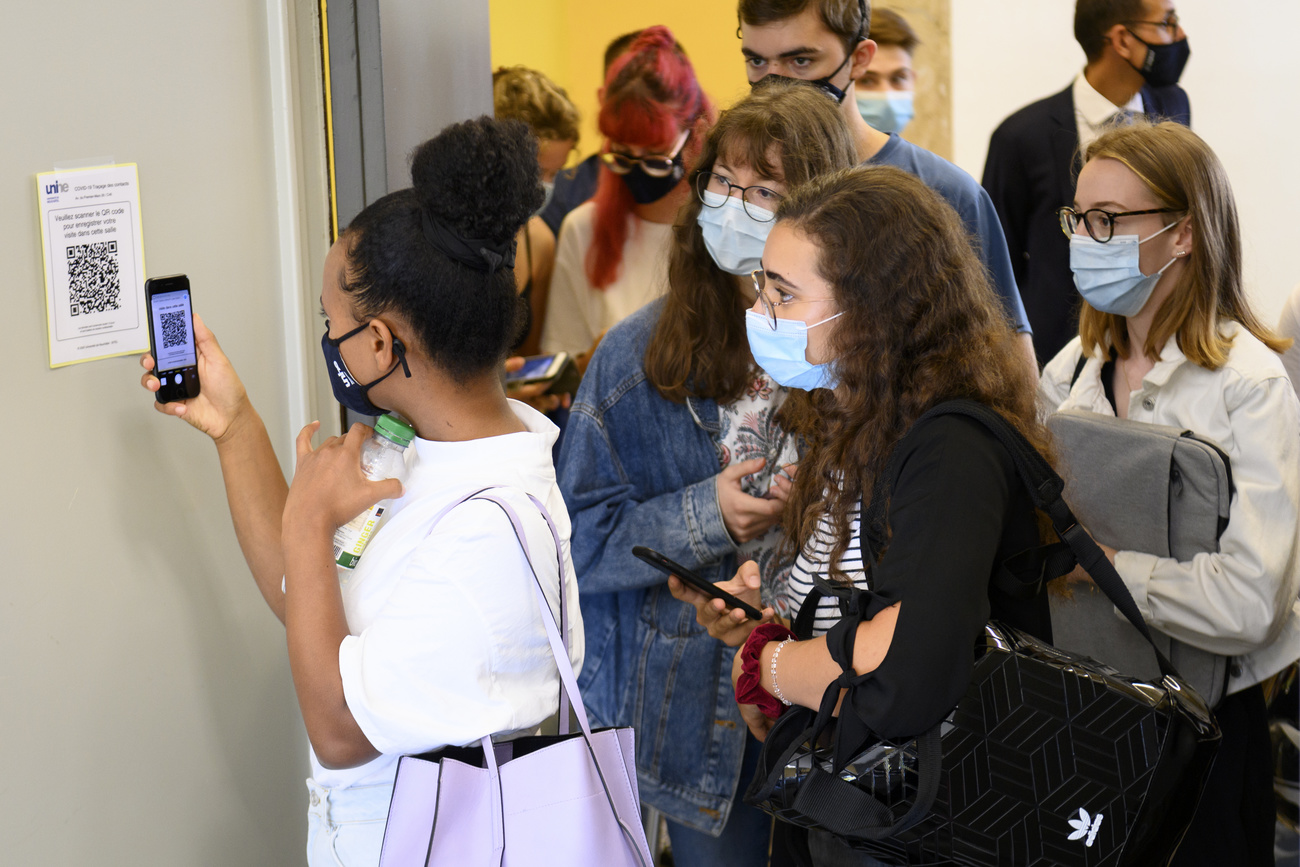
x: 172, y: 332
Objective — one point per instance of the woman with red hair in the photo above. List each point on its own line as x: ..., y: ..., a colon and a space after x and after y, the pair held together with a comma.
x: 612, y: 254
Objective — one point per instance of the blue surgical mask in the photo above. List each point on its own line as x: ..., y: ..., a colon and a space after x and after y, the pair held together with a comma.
x: 1107, y: 275
x: 888, y: 113
x: 783, y: 353
x: 733, y: 238
x: 347, y: 390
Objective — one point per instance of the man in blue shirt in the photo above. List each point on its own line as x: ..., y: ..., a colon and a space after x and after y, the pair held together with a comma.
x: 823, y: 42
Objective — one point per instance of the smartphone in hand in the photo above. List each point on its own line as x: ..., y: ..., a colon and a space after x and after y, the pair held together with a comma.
x: 668, y: 567
x: 557, y: 370
x: 171, y: 337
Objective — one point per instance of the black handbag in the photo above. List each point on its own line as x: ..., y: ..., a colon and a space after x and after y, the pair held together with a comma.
x: 1049, y: 758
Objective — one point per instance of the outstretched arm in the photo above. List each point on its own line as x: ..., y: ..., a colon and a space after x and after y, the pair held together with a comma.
x: 255, y: 486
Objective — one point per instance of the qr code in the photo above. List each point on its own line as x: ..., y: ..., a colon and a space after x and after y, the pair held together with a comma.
x: 174, y: 330
x: 94, y: 281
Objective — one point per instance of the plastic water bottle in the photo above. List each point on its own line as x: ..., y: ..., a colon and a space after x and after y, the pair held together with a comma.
x: 382, y: 457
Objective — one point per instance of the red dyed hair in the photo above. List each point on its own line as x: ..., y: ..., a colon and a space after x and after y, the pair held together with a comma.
x: 651, y: 95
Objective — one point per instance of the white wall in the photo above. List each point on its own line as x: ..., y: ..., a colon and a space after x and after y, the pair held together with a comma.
x: 1241, y: 79
x: 148, y: 713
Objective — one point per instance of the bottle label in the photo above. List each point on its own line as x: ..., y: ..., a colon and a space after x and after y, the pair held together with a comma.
x: 350, y: 540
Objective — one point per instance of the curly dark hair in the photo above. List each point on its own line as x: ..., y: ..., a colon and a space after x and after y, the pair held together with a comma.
x: 478, y: 178
x: 921, y: 325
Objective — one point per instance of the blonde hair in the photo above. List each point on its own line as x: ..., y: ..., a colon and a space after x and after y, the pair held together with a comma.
x: 1183, y: 174
x: 520, y: 93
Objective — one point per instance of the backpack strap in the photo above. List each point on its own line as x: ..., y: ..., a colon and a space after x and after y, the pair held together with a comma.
x: 1078, y: 369
x: 850, y: 811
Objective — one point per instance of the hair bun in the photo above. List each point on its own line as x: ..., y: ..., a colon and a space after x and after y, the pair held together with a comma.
x: 479, y: 177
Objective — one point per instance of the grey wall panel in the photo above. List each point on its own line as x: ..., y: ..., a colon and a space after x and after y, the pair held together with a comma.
x: 148, y: 713
x: 437, y: 70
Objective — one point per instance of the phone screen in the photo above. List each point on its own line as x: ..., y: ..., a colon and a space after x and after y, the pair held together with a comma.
x: 534, y: 368
x: 173, y: 330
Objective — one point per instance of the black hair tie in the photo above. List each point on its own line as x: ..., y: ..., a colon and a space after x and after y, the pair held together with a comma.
x: 481, y: 255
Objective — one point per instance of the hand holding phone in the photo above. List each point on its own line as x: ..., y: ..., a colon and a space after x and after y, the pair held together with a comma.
x: 557, y: 370
x: 171, y: 337
x: 686, y: 576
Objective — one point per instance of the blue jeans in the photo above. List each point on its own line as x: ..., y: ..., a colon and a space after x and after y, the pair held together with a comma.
x: 345, y: 827
x: 745, y: 838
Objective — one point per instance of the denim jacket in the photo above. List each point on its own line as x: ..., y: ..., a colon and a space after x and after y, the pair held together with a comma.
x: 636, y: 469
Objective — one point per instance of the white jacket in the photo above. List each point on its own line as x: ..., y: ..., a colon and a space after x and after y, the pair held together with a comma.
x: 1240, y: 601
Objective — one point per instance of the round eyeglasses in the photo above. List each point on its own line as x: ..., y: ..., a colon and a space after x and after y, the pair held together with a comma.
x: 1098, y: 223
x: 771, y: 298
x: 759, y: 202
x: 654, y: 165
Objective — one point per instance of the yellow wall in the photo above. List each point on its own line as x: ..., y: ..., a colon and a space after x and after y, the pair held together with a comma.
x: 566, y: 39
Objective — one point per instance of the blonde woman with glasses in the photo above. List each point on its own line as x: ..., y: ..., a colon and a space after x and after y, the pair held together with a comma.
x: 1166, y: 336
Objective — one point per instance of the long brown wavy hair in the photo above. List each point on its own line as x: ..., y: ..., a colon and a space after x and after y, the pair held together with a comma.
x: 790, y: 133
x: 1182, y: 173
x: 920, y: 325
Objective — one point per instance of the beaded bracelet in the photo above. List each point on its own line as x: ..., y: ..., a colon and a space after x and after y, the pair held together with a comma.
x: 749, y: 689
x: 776, y: 690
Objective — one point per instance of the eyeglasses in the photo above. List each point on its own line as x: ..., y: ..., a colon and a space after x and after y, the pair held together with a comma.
x: 1099, y: 224
x: 1171, y: 24
x: 762, y: 200
x: 765, y: 294
x: 654, y: 165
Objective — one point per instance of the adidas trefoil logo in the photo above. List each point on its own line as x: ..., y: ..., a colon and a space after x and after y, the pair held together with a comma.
x: 1085, y: 826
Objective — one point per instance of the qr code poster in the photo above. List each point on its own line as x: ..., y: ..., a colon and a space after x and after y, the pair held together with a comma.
x: 94, y: 263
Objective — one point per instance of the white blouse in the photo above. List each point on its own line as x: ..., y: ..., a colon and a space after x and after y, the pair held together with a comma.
x: 577, y: 312
x: 447, y: 642
x: 1241, y: 600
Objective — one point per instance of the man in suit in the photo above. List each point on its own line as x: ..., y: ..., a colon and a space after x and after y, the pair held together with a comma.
x: 1136, y: 51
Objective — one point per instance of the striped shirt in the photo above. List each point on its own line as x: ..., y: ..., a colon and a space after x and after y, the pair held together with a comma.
x: 812, y: 561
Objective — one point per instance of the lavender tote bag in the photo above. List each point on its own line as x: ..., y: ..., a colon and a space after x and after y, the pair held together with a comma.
x: 531, y: 802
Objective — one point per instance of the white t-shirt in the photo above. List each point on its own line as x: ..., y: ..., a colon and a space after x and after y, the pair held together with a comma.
x: 577, y: 312
x: 447, y: 642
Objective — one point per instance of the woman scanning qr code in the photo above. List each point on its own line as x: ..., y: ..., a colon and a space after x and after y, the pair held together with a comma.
x: 403, y: 656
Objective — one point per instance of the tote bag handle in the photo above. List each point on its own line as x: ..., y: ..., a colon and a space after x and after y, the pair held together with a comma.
x: 558, y: 640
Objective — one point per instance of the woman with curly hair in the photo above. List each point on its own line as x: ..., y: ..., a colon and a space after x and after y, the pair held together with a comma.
x: 520, y: 93
x: 871, y: 299
x: 611, y: 255
x: 675, y: 443
x: 436, y: 637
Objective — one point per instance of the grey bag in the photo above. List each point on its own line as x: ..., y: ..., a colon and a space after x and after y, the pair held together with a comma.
x: 1140, y: 487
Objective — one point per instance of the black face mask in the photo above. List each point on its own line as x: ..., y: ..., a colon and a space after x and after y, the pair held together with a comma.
x: 347, y: 390
x: 1164, y: 64
x: 646, y: 189
x: 822, y: 84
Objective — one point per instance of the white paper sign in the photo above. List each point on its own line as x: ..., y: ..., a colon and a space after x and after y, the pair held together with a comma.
x: 94, y: 263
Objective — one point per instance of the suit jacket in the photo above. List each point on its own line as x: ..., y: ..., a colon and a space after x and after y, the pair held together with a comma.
x: 1032, y: 165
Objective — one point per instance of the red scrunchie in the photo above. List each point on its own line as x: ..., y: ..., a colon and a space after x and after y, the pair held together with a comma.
x: 749, y: 689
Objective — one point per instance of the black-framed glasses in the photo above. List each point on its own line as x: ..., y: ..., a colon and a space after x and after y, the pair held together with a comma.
x: 771, y: 297
x: 758, y: 201
x: 1171, y: 24
x: 654, y: 165
x: 1098, y: 223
